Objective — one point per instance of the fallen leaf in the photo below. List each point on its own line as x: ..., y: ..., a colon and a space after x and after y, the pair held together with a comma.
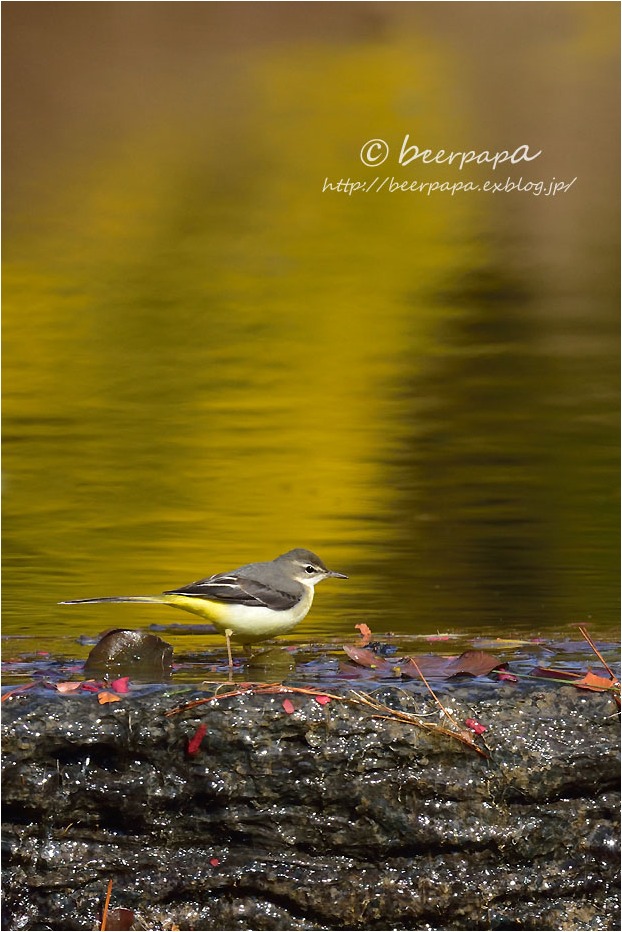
x: 121, y: 685
x: 367, y: 658
x: 194, y: 743
x: 119, y: 919
x: 592, y: 681
x: 471, y: 662
x: 475, y: 663
x: 550, y: 672
x: 214, y: 862
x: 91, y: 686
x: 67, y: 687
x: 505, y: 675
x: 105, y: 697
x: 365, y: 634
x: 323, y: 700
x: 288, y: 705
x: 475, y: 726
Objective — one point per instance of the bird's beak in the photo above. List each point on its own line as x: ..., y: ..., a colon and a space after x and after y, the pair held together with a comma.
x: 337, y: 575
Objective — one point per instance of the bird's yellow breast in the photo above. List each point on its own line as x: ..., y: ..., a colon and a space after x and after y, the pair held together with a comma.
x: 248, y: 623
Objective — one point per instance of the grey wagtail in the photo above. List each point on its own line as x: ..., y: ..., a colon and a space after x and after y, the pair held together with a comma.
x: 252, y: 603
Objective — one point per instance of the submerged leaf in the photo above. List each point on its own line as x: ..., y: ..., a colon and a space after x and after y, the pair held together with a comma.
x: 550, y: 672
x: 507, y: 677
x: 90, y: 686
x: 288, y: 705
x: 367, y: 658
x: 119, y: 919
x: 67, y: 687
x: 471, y: 662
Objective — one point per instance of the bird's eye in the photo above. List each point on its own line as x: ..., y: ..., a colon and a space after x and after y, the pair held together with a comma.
x: 310, y: 569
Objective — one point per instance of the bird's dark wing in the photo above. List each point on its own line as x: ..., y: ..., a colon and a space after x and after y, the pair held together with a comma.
x: 244, y: 591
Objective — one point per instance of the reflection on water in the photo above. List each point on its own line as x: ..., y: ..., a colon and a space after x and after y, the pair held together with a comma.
x: 209, y: 362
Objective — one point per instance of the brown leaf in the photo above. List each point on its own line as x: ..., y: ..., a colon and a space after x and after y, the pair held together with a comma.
x: 365, y: 634
x: 119, y: 919
x: 471, y: 662
x: 430, y: 665
x: 476, y: 663
x: 367, y: 658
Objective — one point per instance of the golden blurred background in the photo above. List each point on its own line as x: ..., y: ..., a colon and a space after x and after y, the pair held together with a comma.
x: 209, y: 360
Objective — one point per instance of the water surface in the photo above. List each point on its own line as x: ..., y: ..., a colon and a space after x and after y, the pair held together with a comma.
x: 208, y: 361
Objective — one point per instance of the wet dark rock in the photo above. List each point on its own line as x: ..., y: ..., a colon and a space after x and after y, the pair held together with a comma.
x: 124, y: 652
x: 326, y: 818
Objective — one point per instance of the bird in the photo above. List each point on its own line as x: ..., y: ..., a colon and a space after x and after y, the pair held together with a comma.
x: 255, y: 602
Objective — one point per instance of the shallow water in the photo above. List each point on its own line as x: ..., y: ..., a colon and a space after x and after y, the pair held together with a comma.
x: 209, y: 361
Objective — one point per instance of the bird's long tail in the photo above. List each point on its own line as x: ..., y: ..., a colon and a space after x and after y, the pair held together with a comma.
x: 120, y: 598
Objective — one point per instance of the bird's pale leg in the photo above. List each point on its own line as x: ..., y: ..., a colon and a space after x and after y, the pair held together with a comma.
x: 228, y: 633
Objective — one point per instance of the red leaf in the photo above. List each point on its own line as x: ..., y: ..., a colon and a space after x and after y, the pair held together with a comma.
x: 194, y: 743
x: 505, y: 675
x: 323, y: 700
x: 288, y: 705
x: 121, y: 685
x: 475, y: 726
x: 214, y: 862
x: 555, y: 674
x: 365, y: 634
x: 91, y: 686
